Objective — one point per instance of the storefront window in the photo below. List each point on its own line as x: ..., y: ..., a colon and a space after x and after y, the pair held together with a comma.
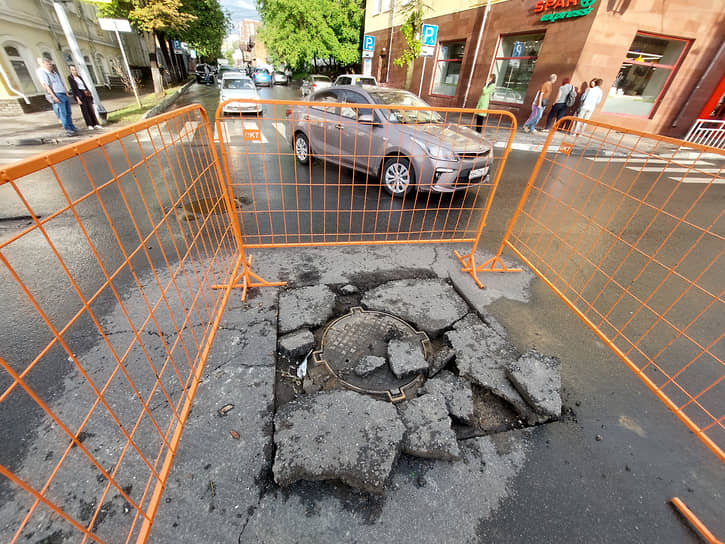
x: 650, y: 63
x: 514, y: 65
x: 448, y: 68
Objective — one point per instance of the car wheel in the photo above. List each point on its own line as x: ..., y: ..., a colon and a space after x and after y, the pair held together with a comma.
x: 302, y: 148
x: 398, y: 177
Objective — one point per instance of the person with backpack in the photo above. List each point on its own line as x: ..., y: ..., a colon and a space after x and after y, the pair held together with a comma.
x: 564, y: 100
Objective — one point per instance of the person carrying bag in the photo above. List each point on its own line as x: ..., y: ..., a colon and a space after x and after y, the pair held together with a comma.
x: 83, y: 96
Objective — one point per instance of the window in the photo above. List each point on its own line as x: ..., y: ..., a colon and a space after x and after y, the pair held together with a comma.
x: 650, y: 64
x: 514, y: 65
x: 387, y: 5
x: 377, y: 4
x: 448, y: 68
x: 328, y: 96
x: 355, y: 98
x: 89, y: 67
x: 25, y: 80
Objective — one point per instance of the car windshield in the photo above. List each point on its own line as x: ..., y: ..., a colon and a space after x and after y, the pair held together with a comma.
x: 261, y: 71
x: 366, y: 81
x: 321, y: 78
x: 238, y: 84
x: 404, y: 98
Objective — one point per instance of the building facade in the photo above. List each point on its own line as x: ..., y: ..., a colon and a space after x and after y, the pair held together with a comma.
x: 662, y: 63
x: 255, y: 54
x: 30, y: 29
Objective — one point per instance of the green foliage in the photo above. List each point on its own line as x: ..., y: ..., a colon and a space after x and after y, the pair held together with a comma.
x: 297, y: 31
x: 160, y: 15
x: 206, y: 32
x: 411, y: 32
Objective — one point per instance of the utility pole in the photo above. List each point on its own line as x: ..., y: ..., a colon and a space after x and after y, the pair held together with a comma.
x: 77, y: 56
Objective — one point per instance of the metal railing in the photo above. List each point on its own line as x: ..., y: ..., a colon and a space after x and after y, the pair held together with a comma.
x: 710, y: 132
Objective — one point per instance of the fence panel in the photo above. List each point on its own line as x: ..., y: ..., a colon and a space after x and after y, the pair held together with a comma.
x: 108, y: 253
x: 628, y: 229
x: 314, y: 173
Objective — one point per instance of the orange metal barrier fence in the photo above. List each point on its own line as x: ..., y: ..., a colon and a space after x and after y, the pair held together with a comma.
x: 344, y: 171
x: 108, y: 253
x: 628, y: 229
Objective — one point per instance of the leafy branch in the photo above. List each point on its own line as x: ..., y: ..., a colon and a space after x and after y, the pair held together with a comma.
x: 411, y: 32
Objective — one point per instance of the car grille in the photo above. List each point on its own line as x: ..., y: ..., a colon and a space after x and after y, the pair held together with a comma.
x: 473, y: 154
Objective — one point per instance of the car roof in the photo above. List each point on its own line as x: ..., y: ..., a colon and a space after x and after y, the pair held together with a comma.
x: 235, y: 75
x: 355, y: 75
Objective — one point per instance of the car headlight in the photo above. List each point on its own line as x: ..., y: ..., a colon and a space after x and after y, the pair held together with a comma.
x: 436, y: 151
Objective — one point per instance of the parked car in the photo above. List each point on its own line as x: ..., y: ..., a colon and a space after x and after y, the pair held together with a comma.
x: 261, y: 76
x: 406, y: 149
x: 204, y: 73
x: 238, y: 85
x: 355, y: 79
x: 314, y: 83
x: 279, y: 78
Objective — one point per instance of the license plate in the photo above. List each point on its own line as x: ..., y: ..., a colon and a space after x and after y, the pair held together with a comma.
x: 477, y: 173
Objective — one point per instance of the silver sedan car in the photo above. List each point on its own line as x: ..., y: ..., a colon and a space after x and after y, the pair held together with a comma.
x: 405, y: 149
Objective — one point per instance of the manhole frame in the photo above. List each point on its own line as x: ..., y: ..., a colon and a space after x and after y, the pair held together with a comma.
x: 322, y: 369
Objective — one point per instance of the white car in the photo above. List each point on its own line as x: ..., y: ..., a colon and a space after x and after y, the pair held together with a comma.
x: 355, y: 79
x: 239, y: 86
x: 315, y: 83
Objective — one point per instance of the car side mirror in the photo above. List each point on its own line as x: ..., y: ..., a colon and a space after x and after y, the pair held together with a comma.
x: 366, y: 119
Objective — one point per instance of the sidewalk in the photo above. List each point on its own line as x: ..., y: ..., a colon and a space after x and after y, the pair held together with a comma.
x: 44, y: 128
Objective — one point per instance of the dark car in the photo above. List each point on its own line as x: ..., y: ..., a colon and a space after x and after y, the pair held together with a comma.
x: 204, y: 73
x: 408, y: 149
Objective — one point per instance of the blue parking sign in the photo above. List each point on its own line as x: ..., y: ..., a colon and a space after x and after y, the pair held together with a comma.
x: 369, y: 43
x: 429, y: 35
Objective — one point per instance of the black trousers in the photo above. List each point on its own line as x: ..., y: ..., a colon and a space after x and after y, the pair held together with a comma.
x: 557, y: 112
x: 89, y: 114
x: 479, y: 122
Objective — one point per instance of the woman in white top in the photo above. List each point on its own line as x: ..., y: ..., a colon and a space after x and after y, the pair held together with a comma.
x: 80, y: 92
x: 591, y: 97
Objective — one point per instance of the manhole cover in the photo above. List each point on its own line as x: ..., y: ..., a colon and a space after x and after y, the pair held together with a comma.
x: 348, y: 339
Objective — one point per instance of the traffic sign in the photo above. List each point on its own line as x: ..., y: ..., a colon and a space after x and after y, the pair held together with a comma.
x: 429, y: 35
x: 518, y: 49
x: 369, y: 43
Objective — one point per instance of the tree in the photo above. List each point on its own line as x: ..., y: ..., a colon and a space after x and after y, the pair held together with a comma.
x: 298, y: 32
x: 153, y: 17
x: 413, y: 12
x: 207, y: 31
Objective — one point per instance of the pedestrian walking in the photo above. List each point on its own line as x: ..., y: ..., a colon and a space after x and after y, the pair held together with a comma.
x: 541, y: 100
x: 484, y: 101
x: 83, y: 96
x: 591, y: 97
x: 56, y: 94
x: 564, y: 100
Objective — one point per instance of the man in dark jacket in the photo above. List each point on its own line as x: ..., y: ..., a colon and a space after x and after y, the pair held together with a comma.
x: 83, y: 96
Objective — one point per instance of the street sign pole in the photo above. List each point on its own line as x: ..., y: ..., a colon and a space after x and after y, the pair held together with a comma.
x: 122, y: 25
x: 422, y: 75
x: 78, y: 58
x: 128, y: 69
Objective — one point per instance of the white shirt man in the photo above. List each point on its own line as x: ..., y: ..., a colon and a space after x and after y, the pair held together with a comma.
x: 590, y: 99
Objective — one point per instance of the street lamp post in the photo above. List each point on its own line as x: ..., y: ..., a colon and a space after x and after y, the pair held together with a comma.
x: 77, y: 56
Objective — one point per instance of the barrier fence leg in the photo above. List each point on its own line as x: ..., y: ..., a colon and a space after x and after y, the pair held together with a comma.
x: 694, y: 521
x: 246, y: 278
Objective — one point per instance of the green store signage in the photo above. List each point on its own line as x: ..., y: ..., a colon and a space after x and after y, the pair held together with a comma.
x: 552, y: 9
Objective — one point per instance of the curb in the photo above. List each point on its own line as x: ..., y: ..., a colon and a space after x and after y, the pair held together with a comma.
x: 162, y: 106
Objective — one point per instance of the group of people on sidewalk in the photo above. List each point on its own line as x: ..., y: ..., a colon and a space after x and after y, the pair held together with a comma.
x: 567, y: 98
x: 57, y: 94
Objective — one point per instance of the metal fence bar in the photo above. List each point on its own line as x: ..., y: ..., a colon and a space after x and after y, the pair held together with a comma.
x: 628, y: 230
x: 134, y: 228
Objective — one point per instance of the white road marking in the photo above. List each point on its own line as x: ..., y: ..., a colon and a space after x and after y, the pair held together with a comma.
x: 699, y: 180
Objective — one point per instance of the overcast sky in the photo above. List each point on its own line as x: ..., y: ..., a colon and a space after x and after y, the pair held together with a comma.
x: 240, y: 9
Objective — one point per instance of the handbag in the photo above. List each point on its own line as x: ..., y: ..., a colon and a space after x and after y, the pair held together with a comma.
x: 87, y: 93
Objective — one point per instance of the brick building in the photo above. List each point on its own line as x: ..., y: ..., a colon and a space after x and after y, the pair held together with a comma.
x: 663, y: 63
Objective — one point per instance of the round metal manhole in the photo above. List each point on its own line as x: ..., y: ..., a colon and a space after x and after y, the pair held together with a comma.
x: 348, y: 339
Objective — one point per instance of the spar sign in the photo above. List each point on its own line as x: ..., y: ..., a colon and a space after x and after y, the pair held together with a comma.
x: 552, y: 9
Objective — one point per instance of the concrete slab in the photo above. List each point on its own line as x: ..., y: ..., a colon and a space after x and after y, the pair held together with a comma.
x: 439, y: 360
x: 305, y: 307
x: 369, y: 364
x: 406, y: 357
x: 430, y: 305
x: 428, y: 431
x: 297, y: 344
x: 457, y: 393
x: 340, y: 435
x: 538, y: 379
